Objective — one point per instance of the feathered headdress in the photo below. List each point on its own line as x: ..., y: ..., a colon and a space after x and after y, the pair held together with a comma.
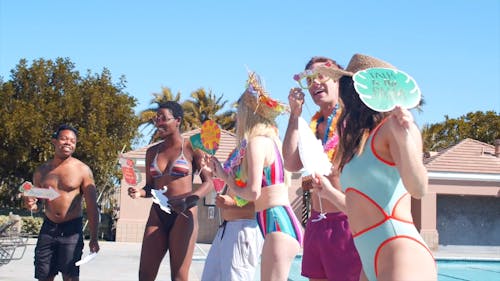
x: 256, y: 98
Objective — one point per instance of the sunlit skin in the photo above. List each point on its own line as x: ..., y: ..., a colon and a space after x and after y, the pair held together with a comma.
x: 398, y: 141
x: 180, y: 241
x: 279, y: 248
x: 325, y: 94
x: 73, y: 180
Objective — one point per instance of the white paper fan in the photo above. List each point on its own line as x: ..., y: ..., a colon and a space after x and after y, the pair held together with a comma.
x: 86, y: 259
x: 160, y: 199
x: 313, y: 157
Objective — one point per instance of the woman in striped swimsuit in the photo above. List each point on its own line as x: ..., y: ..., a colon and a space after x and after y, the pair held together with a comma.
x: 255, y: 173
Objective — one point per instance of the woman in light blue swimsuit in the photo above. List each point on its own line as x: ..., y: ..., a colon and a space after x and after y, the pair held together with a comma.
x: 380, y: 160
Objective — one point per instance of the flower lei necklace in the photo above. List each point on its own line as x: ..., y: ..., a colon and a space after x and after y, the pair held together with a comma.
x: 330, y: 139
x: 232, y: 166
x: 233, y: 162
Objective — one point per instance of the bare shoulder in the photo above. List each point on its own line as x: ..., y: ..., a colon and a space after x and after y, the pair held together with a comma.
x: 259, y: 142
x: 188, y: 147
x: 261, y: 147
x: 153, y: 148
x: 82, y: 167
x: 393, y: 128
x: 387, y: 128
x: 78, y: 162
x: 196, y: 154
x: 43, y: 169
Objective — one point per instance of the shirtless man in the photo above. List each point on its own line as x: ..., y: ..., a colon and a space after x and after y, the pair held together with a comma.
x: 170, y: 167
x: 60, y: 241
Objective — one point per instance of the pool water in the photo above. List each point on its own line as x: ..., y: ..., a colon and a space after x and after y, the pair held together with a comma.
x: 448, y: 270
x: 453, y: 270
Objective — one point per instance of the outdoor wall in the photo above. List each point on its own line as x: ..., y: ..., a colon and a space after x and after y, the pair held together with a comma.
x: 133, y: 213
x: 468, y: 220
x: 208, y: 219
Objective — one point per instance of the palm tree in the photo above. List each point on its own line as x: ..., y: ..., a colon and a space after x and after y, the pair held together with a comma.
x: 227, y: 120
x: 204, y: 106
x: 146, y: 116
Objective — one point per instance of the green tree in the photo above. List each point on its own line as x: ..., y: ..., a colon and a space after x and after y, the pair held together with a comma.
x: 204, y: 106
x: 481, y: 126
x: 201, y: 107
x: 40, y: 97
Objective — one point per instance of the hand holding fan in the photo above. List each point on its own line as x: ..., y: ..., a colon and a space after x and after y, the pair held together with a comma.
x: 131, y: 175
x: 29, y: 190
x: 208, y: 139
x: 382, y: 89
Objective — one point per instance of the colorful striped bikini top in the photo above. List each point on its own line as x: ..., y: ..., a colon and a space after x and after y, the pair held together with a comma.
x: 271, y: 175
x: 274, y: 173
x: 179, y: 168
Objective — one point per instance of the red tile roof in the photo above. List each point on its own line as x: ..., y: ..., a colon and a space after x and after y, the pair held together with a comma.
x: 467, y: 156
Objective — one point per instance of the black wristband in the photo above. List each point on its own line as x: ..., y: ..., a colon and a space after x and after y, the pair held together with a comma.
x: 147, y: 189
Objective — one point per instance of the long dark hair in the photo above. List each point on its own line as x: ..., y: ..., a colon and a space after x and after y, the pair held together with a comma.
x: 355, y: 123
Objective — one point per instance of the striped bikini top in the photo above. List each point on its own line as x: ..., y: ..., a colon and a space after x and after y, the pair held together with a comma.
x: 271, y: 175
x: 179, y: 168
x: 274, y: 173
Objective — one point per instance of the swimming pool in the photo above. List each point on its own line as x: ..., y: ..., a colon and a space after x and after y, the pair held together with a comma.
x: 448, y: 270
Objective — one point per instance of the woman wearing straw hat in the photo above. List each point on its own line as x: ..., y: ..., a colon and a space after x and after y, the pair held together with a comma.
x: 254, y: 171
x: 380, y: 160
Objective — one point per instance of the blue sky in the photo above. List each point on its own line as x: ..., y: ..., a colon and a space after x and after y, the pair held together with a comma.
x: 451, y: 48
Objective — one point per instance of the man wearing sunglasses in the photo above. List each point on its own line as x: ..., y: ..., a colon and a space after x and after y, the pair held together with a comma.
x: 328, y: 251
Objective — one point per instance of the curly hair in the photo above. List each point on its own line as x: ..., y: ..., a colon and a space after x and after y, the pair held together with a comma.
x: 64, y: 127
x: 174, y: 107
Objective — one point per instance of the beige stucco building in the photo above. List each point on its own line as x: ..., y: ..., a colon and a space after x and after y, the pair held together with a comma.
x: 462, y: 206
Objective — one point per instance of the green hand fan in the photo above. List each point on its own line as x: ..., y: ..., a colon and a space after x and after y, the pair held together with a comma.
x: 382, y: 89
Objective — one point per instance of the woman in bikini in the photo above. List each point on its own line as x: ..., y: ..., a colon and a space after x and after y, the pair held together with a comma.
x: 380, y: 160
x: 254, y: 172
x: 171, y: 165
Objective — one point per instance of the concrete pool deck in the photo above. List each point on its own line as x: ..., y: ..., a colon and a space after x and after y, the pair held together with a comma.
x: 120, y: 261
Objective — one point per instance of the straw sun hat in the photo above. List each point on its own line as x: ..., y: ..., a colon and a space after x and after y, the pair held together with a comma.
x: 358, y: 62
x: 258, y: 100
x: 380, y: 85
